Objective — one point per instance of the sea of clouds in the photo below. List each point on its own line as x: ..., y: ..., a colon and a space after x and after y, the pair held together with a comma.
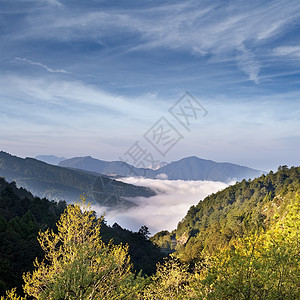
x: 163, y: 211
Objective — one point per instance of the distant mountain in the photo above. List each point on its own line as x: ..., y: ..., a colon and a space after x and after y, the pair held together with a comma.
x: 194, y: 168
x: 50, y: 159
x: 189, y: 168
x: 58, y: 183
x: 113, y: 168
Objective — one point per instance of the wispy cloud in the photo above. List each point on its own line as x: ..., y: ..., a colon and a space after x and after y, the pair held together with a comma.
x: 54, y: 2
x: 292, y: 51
x: 70, y: 93
x: 248, y: 64
x: 272, y: 30
x: 42, y: 65
x: 73, y: 109
x: 74, y: 106
x: 228, y: 31
x: 49, y: 114
x: 224, y: 51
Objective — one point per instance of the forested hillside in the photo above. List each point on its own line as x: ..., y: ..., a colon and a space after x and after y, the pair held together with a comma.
x: 231, y: 214
x: 240, y: 243
x: 22, y: 216
x: 57, y: 183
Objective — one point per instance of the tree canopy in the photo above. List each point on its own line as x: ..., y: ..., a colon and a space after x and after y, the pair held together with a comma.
x: 256, y: 258
x: 78, y: 264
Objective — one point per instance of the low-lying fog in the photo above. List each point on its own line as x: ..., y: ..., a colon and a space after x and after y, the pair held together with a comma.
x: 166, y: 209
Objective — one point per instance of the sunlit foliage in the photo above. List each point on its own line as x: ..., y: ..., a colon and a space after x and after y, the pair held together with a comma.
x: 78, y: 265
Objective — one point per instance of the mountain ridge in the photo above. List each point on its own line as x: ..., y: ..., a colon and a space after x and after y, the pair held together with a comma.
x: 188, y: 168
x: 50, y: 159
x: 58, y: 183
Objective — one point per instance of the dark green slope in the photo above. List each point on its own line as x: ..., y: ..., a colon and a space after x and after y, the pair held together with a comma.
x: 21, y: 218
x: 58, y: 183
x: 231, y: 213
x: 143, y: 253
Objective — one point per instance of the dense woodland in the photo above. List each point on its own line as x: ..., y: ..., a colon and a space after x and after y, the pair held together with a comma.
x: 22, y: 216
x: 240, y: 243
x: 232, y: 213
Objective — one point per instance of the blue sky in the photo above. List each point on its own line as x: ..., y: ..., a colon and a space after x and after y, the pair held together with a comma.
x: 91, y: 77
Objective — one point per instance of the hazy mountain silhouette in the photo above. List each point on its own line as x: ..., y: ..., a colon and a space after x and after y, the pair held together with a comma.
x: 113, y: 168
x: 194, y: 168
x: 189, y: 168
x: 50, y: 159
x: 58, y: 183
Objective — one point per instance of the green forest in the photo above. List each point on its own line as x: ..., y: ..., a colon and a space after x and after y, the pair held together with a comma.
x: 240, y: 243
